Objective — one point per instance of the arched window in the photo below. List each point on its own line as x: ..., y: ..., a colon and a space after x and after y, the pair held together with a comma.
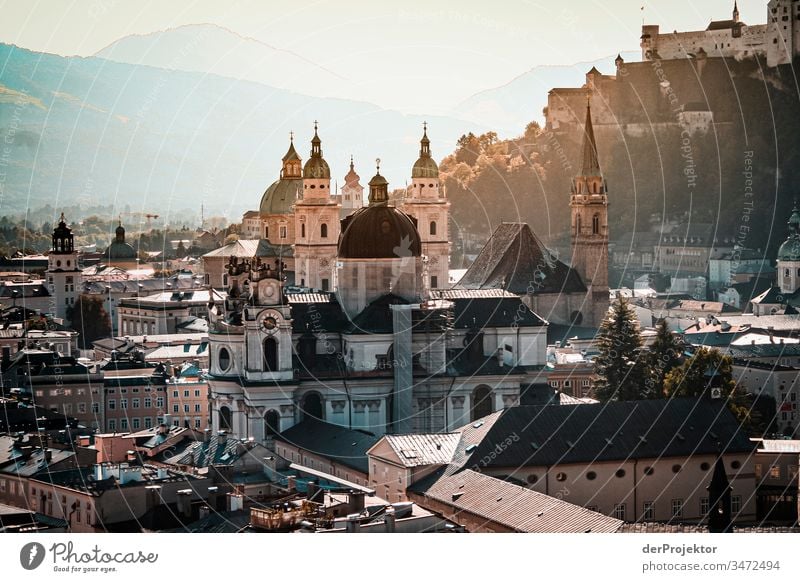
x: 323, y: 230
x: 271, y: 423
x: 303, y: 230
x: 311, y: 406
x: 596, y: 224
x: 578, y: 225
x: 225, y: 422
x: 270, y: 355
x: 224, y: 359
x: 481, y: 402
x: 433, y: 227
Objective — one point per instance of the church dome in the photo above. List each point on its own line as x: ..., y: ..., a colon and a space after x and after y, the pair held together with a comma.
x: 379, y: 231
x: 316, y: 166
x: 119, y: 249
x: 790, y: 250
x: 425, y: 167
x: 280, y: 196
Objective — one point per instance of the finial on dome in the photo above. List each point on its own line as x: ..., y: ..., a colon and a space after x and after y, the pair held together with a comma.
x: 62, y: 219
x: 351, y: 161
x: 378, y: 164
x: 291, y: 137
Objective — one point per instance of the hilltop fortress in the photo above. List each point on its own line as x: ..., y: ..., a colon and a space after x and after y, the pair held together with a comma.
x: 778, y: 40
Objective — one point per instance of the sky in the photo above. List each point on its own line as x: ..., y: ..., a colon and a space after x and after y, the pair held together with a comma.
x: 405, y: 55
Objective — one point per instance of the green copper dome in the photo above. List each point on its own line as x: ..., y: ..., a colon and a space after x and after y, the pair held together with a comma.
x: 316, y: 166
x: 425, y: 167
x: 280, y: 196
x: 790, y: 250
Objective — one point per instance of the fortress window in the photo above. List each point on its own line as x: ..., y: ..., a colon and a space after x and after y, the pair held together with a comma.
x: 596, y: 224
x: 323, y: 230
x: 433, y: 227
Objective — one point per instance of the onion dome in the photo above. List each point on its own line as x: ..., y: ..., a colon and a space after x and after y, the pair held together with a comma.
x: 282, y: 194
x: 425, y: 167
x: 379, y: 231
x: 316, y: 166
x: 790, y: 250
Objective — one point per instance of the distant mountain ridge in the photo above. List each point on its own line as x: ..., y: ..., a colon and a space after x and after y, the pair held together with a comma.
x: 209, y: 48
x: 94, y: 130
x: 510, y: 107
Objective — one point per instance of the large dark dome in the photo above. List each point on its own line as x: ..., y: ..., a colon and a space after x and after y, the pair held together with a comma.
x: 379, y: 231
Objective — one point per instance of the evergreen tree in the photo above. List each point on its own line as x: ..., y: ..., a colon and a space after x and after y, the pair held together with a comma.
x: 89, y: 317
x: 665, y: 354
x: 621, y: 366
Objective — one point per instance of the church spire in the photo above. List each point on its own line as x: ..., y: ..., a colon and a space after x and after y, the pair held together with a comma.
x: 425, y: 143
x: 591, y: 165
x: 735, y: 11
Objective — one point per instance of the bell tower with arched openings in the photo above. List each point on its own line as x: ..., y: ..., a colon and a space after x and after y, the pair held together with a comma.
x: 63, y: 274
x: 589, y: 228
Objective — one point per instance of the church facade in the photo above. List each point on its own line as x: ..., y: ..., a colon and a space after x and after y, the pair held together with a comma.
x: 384, y: 352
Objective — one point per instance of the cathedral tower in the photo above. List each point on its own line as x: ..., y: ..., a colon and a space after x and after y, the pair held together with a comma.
x: 789, y: 256
x: 316, y: 216
x: 352, y: 192
x: 63, y: 275
x: 589, y: 228
x: 425, y: 201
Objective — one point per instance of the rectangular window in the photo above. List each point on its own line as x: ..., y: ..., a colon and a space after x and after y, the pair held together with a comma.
x: 174, y: 393
x: 112, y: 424
x: 283, y: 232
x: 186, y: 408
x: 736, y: 503
x: 135, y: 423
x: 160, y: 402
x: 123, y: 424
x: 434, y: 282
x: 704, y: 506
x: 775, y: 472
x: 148, y: 402
x: 175, y: 408
x: 135, y: 403
x: 325, y: 285
x: 758, y: 470
x: 197, y: 408
x: 186, y: 394
x: 197, y: 423
x: 148, y: 422
x: 95, y: 408
x: 648, y: 511
x: 619, y: 511
x: 197, y: 393
x: 112, y: 404
x: 123, y: 403
x: 677, y: 508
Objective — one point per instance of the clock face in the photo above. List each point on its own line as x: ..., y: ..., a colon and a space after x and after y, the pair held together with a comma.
x: 269, y: 323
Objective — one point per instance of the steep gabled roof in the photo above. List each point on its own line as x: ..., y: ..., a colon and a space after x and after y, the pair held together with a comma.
x: 514, y: 259
x: 342, y: 445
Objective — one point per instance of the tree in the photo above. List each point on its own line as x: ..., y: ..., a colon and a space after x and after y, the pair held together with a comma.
x: 665, y: 354
x: 622, y: 368
x: 706, y: 370
x: 89, y: 317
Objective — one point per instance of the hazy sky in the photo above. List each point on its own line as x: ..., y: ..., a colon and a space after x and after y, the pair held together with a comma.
x: 415, y: 51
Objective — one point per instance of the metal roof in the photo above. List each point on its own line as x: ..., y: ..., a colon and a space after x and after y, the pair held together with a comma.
x: 514, y: 507
x: 415, y: 450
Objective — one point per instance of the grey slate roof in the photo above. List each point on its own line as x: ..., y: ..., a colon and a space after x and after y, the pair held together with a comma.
x: 342, y: 445
x: 551, y: 435
x: 516, y: 260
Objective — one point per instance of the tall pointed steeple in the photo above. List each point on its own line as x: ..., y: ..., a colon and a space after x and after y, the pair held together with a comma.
x: 735, y: 11
x: 591, y: 165
x: 719, y: 497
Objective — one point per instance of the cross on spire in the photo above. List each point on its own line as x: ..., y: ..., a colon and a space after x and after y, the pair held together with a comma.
x: 291, y: 136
